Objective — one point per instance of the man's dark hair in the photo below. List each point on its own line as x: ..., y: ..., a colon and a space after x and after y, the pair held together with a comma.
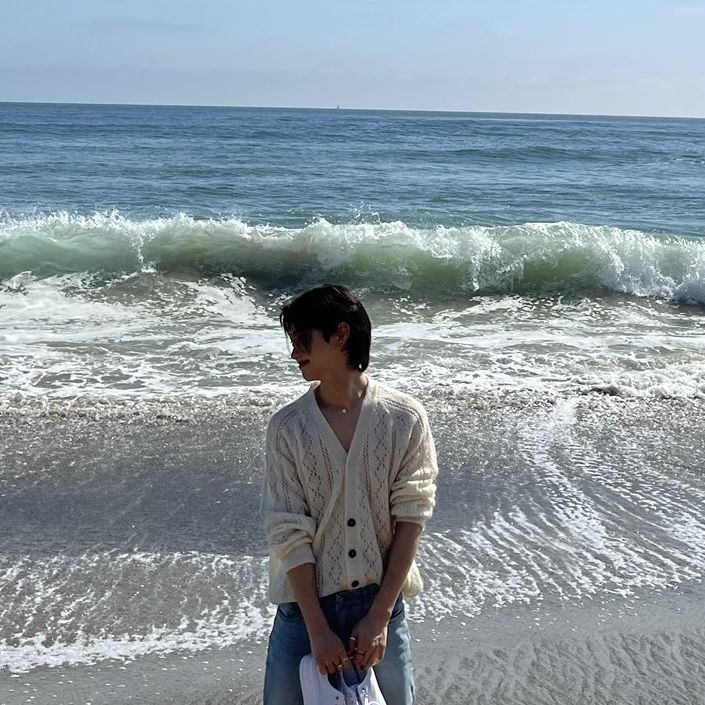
x: 323, y: 309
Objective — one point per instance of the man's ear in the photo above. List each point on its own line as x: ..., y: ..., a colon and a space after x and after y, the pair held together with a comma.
x: 343, y: 332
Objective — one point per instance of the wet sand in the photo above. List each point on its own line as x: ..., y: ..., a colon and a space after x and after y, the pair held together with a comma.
x: 544, y: 609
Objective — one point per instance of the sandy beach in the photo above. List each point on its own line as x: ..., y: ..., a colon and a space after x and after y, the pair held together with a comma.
x: 563, y: 563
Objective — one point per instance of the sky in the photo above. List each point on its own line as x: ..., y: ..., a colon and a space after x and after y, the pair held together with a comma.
x: 617, y: 57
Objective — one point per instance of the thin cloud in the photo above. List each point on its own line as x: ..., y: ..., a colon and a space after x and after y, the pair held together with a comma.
x: 127, y: 24
x: 689, y: 10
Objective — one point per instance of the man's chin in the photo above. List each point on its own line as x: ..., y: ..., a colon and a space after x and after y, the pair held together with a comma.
x: 309, y: 376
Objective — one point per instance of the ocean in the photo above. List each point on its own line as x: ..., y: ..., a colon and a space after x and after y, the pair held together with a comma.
x: 537, y: 281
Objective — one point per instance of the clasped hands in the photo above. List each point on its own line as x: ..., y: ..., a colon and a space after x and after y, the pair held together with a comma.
x: 366, y: 648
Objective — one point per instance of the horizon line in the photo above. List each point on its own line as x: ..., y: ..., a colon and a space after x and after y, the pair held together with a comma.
x: 338, y: 108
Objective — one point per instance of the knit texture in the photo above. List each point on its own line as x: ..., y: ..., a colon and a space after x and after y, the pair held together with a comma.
x: 337, y: 509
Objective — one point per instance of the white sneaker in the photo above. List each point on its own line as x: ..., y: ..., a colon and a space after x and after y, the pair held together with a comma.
x: 360, y: 687
x: 316, y: 687
x: 368, y: 692
x: 349, y: 678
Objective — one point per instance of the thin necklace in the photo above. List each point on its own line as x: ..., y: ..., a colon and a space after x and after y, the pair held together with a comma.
x: 345, y: 409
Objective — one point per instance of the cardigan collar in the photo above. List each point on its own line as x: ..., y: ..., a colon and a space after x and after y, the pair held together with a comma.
x: 327, y: 432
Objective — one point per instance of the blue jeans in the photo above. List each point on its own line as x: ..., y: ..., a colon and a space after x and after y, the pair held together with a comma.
x: 288, y: 644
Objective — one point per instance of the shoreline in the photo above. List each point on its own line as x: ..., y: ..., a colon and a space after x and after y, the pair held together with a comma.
x: 517, y: 654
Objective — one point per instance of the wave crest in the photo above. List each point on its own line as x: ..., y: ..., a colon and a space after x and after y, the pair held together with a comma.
x: 440, y: 262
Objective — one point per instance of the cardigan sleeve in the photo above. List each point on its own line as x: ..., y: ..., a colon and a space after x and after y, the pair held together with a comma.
x: 413, y: 491
x: 290, y: 529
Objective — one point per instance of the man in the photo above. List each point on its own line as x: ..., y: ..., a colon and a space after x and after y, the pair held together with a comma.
x: 349, y: 483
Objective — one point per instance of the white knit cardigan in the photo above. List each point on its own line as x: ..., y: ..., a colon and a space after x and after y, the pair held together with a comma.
x: 336, y: 509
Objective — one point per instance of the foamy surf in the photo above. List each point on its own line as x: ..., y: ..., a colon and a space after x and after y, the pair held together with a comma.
x: 572, y: 524
x: 151, y: 335
x: 72, y: 610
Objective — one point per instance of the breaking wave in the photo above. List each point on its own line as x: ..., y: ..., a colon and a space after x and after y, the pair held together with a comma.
x: 440, y: 262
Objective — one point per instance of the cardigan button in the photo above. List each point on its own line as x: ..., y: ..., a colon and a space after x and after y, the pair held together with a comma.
x: 351, y: 522
x: 352, y: 553
x: 355, y: 583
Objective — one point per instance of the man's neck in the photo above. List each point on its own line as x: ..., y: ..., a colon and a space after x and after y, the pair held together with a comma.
x: 344, y: 390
